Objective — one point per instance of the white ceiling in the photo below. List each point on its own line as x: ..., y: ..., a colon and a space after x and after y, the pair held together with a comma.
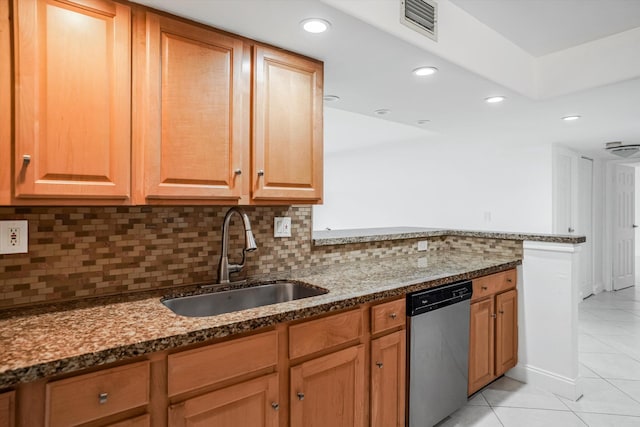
x: 541, y: 27
x: 369, y: 56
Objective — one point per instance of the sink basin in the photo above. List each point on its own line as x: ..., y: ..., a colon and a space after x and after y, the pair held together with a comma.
x: 221, y: 302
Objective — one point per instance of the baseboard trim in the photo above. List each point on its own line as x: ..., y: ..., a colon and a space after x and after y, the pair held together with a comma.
x: 556, y: 384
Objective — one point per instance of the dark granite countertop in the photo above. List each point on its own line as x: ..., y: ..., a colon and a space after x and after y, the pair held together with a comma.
x: 362, y: 235
x: 46, y: 341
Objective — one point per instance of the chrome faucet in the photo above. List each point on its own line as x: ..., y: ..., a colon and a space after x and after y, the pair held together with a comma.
x: 224, y: 268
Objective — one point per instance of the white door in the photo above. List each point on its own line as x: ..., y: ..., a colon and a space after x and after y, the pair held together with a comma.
x: 584, y: 225
x: 564, y: 194
x: 623, y: 230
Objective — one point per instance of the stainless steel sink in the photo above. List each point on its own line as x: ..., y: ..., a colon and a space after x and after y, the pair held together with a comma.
x: 227, y: 301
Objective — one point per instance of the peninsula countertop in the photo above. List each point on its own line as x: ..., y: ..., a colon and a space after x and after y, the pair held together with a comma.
x: 363, y: 235
x: 49, y: 340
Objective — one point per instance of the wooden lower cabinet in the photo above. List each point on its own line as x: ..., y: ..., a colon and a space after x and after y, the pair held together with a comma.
x: 90, y: 397
x: 506, y: 331
x: 250, y: 403
x: 7, y: 409
x: 481, y: 344
x: 388, y: 360
x: 329, y: 390
x: 142, y: 421
x: 493, y: 332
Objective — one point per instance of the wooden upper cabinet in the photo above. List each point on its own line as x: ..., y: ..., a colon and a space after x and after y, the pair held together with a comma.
x: 191, y: 115
x: 72, y: 109
x: 287, y: 133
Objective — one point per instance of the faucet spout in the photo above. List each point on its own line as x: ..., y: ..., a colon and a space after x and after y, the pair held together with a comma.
x: 224, y: 267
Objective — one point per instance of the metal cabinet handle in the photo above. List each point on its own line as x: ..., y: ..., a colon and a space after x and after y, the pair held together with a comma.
x: 102, y: 398
x: 275, y: 406
x: 493, y: 315
x: 571, y: 230
x: 238, y: 171
x: 380, y: 364
x: 26, y: 159
x: 501, y: 311
x: 260, y: 172
x: 484, y: 288
x: 393, y: 315
x: 300, y: 396
x: 509, y: 280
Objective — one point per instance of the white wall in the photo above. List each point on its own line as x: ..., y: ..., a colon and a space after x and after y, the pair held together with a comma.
x: 476, y: 185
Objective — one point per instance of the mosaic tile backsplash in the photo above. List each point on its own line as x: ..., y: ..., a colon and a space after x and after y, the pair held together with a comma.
x: 79, y: 252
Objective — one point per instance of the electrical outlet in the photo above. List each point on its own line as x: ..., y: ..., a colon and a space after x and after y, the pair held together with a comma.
x: 14, y: 237
x: 282, y: 226
x: 423, y: 245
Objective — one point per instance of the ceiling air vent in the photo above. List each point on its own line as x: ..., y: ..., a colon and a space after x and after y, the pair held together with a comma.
x: 617, y: 148
x: 420, y: 15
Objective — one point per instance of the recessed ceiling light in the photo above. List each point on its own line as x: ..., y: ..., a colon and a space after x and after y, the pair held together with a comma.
x: 315, y: 25
x: 494, y: 99
x: 331, y: 98
x: 570, y: 118
x: 423, y: 121
x: 425, y: 71
x: 382, y: 111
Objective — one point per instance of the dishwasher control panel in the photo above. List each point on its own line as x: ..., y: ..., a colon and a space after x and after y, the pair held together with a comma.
x: 438, y: 297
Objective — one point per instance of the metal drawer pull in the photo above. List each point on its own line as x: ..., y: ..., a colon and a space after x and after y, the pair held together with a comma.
x: 275, y: 406
x: 501, y: 311
x: 102, y: 398
x: 484, y: 288
x: 380, y: 364
x: 493, y: 315
x: 300, y: 396
x: 393, y: 315
x: 509, y: 280
x: 260, y: 172
x: 26, y: 159
x: 238, y: 171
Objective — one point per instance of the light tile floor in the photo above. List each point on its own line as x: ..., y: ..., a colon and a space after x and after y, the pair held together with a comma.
x: 609, y: 362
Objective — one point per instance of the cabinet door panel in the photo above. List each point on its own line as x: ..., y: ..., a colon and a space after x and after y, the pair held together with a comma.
x: 506, y: 331
x: 73, y: 95
x: 329, y: 390
x: 287, y: 140
x: 245, y: 404
x: 7, y: 409
x: 191, y: 112
x: 388, y: 380
x: 481, y: 342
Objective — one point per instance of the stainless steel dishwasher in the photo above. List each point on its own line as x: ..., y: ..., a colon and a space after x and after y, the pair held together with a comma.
x: 438, y: 335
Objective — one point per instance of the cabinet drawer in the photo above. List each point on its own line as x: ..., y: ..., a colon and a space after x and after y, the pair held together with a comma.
x: 193, y: 369
x: 494, y: 283
x: 92, y: 396
x: 388, y: 315
x: 316, y: 335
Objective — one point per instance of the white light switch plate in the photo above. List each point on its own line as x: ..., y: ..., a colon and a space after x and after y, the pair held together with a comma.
x: 282, y: 226
x: 14, y: 237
